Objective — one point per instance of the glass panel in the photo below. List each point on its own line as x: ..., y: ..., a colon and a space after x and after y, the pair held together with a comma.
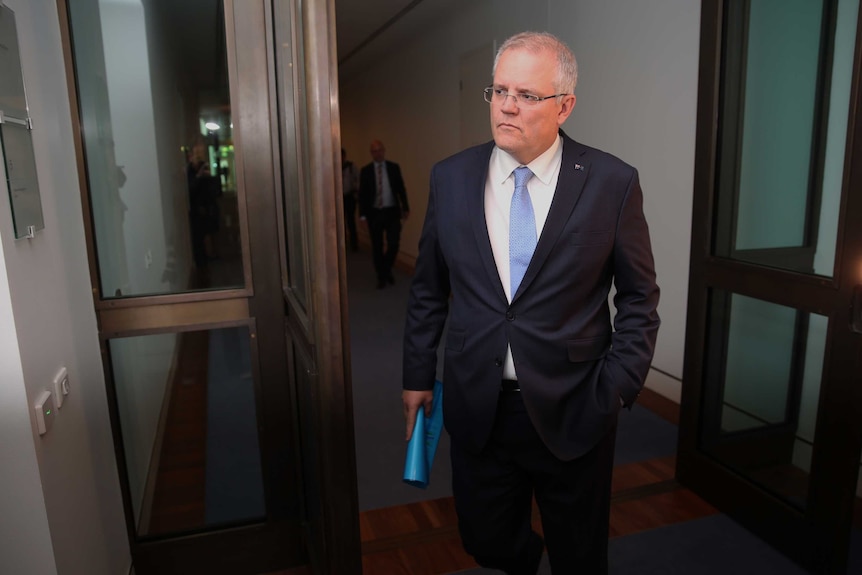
x: 156, y: 122
x: 187, y: 411
x: 783, y: 132
x: 764, y: 367
x: 293, y: 130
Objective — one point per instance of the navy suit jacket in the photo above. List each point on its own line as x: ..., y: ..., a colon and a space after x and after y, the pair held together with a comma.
x: 573, y: 364
x: 368, y: 188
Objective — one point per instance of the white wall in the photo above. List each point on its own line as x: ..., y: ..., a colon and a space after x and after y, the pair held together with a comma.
x: 637, y: 96
x: 55, y: 325
x: 21, y: 539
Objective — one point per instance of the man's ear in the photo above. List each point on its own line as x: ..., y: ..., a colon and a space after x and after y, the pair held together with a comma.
x: 566, y: 109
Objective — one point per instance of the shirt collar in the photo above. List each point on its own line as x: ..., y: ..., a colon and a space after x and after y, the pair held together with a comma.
x: 543, y: 167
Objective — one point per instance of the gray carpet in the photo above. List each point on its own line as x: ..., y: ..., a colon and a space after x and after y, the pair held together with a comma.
x: 714, y: 545
x: 642, y: 435
x: 376, y: 331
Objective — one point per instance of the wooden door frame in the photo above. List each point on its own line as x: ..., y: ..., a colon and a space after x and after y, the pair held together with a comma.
x: 334, y: 529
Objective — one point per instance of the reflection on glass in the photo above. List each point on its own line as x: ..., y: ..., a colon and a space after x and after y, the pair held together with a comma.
x: 156, y: 122
x: 782, y: 159
x: 764, y: 368
x: 188, y: 420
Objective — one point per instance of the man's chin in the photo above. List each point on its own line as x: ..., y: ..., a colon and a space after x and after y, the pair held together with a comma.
x: 506, y: 144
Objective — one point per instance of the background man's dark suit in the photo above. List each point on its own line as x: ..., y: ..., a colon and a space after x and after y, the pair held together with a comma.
x: 383, y: 221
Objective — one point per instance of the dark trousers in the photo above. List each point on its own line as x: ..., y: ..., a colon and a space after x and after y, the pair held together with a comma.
x: 350, y: 220
x: 494, y: 490
x: 384, y: 221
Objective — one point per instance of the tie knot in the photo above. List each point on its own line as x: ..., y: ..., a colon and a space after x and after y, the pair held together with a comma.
x: 522, y: 176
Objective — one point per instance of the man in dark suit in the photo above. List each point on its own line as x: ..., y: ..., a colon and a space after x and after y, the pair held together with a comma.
x: 534, y: 371
x: 383, y: 204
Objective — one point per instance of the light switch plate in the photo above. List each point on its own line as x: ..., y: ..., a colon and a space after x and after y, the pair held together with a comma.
x: 44, y: 408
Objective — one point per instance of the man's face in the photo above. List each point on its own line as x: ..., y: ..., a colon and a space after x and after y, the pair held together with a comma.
x: 378, y: 152
x: 526, y: 131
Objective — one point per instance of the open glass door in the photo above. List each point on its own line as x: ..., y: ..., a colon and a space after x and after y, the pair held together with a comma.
x: 212, y: 336
x: 771, y: 421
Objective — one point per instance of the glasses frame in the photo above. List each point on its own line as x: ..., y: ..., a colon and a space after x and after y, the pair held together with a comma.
x: 521, y: 98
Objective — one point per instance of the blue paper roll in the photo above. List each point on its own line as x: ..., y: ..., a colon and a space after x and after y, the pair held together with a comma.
x: 423, y: 443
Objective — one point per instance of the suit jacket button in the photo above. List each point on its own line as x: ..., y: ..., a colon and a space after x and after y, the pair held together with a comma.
x: 510, y: 316
x: 498, y: 362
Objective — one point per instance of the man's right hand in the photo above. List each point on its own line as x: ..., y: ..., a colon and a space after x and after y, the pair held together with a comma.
x: 413, y: 400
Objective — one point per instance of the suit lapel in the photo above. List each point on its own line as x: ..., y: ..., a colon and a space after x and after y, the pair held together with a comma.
x: 475, y: 178
x: 574, y: 171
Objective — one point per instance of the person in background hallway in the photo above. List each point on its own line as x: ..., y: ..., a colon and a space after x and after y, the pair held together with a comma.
x: 383, y: 204
x: 535, y: 373
x: 349, y: 188
x: 197, y: 174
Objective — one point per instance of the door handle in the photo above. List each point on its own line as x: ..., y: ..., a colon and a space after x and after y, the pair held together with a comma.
x: 856, y: 310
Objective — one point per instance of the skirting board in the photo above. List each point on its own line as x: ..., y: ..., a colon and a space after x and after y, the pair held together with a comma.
x: 664, y: 385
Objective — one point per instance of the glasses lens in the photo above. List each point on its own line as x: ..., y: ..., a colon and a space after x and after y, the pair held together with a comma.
x: 488, y: 93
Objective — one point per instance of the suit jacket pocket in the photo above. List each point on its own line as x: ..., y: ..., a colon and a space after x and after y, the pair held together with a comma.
x: 588, y: 349
x: 455, y: 339
x: 589, y: 238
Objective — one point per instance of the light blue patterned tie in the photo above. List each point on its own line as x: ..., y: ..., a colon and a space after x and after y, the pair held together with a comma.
x: 522, y: 229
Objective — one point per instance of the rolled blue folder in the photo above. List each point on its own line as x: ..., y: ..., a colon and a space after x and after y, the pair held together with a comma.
x: 423, y: 444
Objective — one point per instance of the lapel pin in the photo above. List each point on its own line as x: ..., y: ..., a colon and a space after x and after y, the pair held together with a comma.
x: 579, y: 167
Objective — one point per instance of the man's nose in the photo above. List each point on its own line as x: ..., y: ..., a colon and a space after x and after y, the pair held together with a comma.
x: 509, y: 105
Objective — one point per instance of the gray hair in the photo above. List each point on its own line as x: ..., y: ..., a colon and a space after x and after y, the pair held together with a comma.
x: 567, y: 66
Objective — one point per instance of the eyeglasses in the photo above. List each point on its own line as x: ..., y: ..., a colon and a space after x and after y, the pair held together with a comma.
x: 521, y: 98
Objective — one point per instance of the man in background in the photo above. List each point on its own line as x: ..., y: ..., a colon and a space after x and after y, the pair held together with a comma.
x: 383, y: 204
x: 522, y: 240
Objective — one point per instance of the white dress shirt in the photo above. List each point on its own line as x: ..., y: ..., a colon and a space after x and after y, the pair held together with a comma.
x: 498, y: 202
x: 388, y: 197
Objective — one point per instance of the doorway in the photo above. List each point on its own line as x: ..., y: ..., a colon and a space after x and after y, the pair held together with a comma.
x: 771, y: 425
x: 208, y: 181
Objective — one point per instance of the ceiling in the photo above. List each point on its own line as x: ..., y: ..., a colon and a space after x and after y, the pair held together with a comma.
x: 365, y: 29
x: 358, y: 21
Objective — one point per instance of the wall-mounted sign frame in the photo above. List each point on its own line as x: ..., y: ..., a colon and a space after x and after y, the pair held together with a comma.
x: 16, y: 142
